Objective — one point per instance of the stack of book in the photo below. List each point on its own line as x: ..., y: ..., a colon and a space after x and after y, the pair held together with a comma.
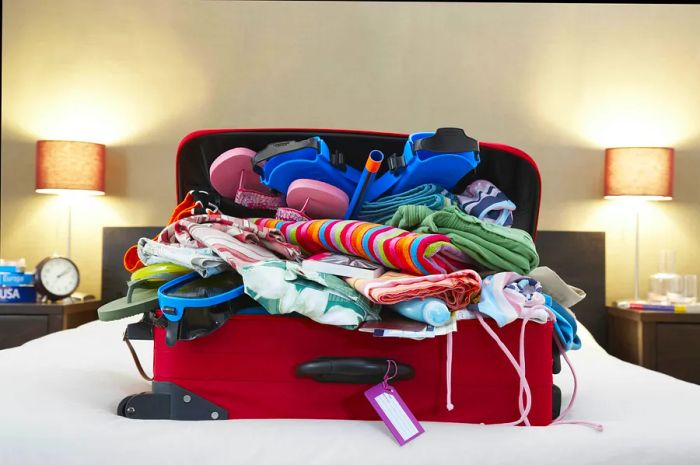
x: 16, y: 286
x: 660, y: 307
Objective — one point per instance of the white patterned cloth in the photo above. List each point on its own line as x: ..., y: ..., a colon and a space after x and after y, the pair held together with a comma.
x: 284, y: 287
x: 203, y: 242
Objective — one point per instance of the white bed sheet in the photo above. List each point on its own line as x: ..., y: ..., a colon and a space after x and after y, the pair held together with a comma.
x: 58, y: 397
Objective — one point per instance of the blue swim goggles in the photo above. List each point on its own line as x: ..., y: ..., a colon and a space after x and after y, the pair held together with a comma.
x: 209, y: 301
x: 173, y: 304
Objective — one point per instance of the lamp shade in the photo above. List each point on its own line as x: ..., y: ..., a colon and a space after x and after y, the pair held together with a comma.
x: 645, y: 172
x: 69, y: 166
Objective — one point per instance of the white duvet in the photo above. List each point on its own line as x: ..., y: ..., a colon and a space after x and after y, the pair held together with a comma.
x: 58, y: 397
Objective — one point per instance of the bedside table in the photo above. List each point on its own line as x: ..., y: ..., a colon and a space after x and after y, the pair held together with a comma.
x: 20, y: 323
x: 661, y: 341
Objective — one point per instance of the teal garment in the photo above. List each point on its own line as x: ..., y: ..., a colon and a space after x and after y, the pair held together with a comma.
x: 382, y: 210
x: 492, y: 246
x: 283, y: 287
x: 565, y: 326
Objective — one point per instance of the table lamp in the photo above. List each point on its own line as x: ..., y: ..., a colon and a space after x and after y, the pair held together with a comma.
x: 70, y: 168
x: 643, y: 173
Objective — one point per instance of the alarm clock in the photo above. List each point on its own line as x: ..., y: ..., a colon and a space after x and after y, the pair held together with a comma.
x: 56, y: 278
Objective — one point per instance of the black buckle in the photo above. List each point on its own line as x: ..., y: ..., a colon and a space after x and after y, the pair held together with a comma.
x: 338, y: 160
x: 141, y: 330
x: 396, y: 162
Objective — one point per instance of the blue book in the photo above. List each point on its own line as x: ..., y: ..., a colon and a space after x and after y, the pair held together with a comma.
x: 16, y: 279
x: 17, y: 294
x: 11, y: 269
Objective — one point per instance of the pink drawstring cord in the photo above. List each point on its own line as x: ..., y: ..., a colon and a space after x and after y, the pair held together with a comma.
x: 389, y: 365
x: 519, y: 368
x: 449, y: 405
x: 522, y: 370
x: 560, y: 420
x: 524, y: 394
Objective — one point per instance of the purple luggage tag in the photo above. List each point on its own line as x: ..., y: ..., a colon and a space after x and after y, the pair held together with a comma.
x: 392, y: 409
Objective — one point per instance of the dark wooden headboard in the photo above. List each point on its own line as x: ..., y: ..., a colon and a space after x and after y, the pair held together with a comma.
x: 116, y: 241
x: 578, y: 257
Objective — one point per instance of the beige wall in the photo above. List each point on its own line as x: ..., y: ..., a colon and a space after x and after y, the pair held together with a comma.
x: 559, y: 81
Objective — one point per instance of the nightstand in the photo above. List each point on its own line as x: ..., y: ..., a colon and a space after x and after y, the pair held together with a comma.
x: 661, y: 341
x: 20, y: 323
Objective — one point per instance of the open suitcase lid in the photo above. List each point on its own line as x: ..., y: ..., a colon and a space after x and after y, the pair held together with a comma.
x: 511, y: 170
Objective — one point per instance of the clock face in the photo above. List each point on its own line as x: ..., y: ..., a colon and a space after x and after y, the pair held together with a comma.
x: 59, y: 276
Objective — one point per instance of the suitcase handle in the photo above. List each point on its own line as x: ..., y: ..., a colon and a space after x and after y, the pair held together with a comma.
x: 351, y: 370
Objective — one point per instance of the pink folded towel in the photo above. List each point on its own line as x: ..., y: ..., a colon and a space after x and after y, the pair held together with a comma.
x: 456, y: 289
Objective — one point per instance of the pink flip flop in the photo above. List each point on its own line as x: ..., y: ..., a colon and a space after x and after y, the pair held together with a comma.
x: 317, y: 199
x: 233, y: 170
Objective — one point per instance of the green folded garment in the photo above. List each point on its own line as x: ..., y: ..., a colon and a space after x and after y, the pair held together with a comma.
x: 494, y: 247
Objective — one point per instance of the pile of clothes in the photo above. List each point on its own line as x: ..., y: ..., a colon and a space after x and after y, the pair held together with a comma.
x: 445, y: 257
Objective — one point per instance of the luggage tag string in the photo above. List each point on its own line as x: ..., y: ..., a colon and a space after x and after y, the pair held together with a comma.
x: 389, y: 365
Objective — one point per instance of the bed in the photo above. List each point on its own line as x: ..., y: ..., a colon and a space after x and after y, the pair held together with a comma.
x: 59, y: 393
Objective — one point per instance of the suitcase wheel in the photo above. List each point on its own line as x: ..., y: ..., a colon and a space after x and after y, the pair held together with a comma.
x: 169, y: 401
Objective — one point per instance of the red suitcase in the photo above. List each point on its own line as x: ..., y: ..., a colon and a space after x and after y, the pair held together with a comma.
x: 257, y: 366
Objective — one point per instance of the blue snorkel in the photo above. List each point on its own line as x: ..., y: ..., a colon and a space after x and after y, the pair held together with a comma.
x: 374, y: 161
